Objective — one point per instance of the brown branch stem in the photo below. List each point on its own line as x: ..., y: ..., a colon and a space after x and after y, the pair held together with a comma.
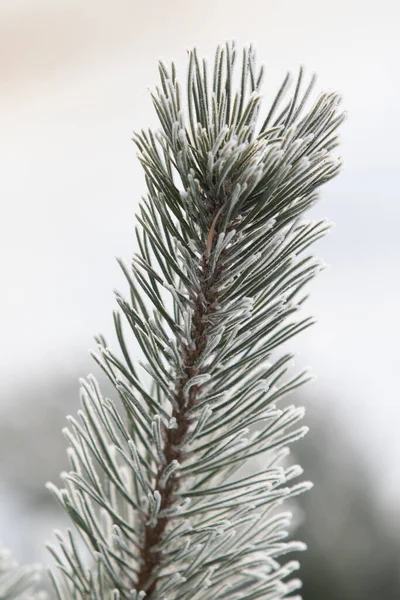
x: 151, y: 558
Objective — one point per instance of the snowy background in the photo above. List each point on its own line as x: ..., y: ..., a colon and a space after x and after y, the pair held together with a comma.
x: 74, y: 78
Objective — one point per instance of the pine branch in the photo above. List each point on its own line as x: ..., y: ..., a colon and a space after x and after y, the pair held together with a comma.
x: 17, y: 583
x: 157, y: 494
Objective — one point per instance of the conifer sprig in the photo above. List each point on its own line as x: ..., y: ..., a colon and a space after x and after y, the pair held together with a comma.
x: 16, y: 582
x: 155, y: 487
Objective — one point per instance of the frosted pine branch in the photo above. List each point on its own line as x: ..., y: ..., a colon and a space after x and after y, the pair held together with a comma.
x: 17, y: 583
x: 155, y: 487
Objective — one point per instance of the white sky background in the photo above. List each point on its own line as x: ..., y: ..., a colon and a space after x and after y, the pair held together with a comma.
x: 73, y: 86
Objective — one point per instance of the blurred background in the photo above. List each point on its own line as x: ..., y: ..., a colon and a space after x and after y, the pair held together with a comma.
x: 74, y: 84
